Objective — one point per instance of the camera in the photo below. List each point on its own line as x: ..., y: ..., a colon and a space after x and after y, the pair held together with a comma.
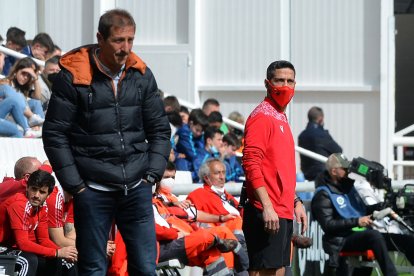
x: 371, y: 171
x: 401, y: 201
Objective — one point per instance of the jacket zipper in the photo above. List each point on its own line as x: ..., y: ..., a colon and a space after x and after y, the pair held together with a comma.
x: 121, y: 136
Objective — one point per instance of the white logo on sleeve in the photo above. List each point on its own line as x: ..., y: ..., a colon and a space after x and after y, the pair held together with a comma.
x: 281, y: 129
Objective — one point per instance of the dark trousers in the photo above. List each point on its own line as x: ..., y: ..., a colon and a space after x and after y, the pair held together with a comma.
x: 94, y: 213
x: 403, y: 243
x: 29, y: 264
x: 371, y: 239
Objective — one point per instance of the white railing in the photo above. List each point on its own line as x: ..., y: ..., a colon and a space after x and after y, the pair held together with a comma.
x: 235, y: 188
x: 18, y: 55
x: 400, y: 141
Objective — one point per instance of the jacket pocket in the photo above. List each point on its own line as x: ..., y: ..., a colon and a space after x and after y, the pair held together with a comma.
x: 90, y: 151
x: 141, y: 147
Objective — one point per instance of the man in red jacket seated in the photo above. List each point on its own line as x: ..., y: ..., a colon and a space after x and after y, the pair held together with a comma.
x: 212, y: 198
x: 23, y: 168
x: 24, y: 230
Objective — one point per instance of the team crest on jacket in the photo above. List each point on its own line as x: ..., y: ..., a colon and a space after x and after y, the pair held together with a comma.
x: 341, y: 201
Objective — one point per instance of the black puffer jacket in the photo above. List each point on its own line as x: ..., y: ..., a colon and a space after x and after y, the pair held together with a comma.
x: 335, y: 227
x: 91, y: 134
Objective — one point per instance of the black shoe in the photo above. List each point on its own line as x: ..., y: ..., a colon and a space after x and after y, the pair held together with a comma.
x: 301, y: 241
x: 225, y: 245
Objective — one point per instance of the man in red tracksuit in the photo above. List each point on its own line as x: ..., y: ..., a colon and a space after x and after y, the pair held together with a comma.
x: 24, y: 230
x: 23, y: 168
x: 212, y: 198
x: 269, y: 165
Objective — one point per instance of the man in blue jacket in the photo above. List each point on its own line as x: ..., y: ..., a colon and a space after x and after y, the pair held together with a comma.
x: 315, y: 138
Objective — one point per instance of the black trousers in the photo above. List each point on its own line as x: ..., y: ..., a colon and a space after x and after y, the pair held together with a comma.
x: 29, y: 264
x: 371, y: 239
x: 401, y: 242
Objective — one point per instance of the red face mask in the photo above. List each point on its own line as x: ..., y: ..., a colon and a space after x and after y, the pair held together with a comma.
x: 282, y: 95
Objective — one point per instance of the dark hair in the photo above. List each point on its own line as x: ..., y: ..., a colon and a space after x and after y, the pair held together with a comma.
x: 198, y: 117
x: 280, y: 64
x: 215, y: 117
x: 232, y: 140
x: 52, y: 60
x: 40, y: 179
x: 314, y: 113
x: 210, y: 132
x: 184, y: 109
x: 171, y: 104
x: 26, y: 62
x: 114, y: 18
x: 170, y: 166
x: 210, y: 101
x: 45, y: 40
x: 175, y: 119
x: 17, y: 36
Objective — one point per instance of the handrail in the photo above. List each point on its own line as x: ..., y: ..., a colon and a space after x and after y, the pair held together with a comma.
x: 235, y: 188
x: 405, y: 131
x: 18, y: 55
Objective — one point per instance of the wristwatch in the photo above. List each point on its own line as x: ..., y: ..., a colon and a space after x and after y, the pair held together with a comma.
x: 149, y: 178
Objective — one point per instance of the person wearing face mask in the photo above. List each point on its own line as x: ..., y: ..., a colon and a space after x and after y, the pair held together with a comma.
x: 213, y: 147
x: 213, y: 198
x: 341, y: 213
x: 269, y: 164
x: 234, y: 170
x: 315, y: 138
x: 51, y: 69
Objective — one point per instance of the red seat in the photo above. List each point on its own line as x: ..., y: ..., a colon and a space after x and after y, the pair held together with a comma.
x: 367, y: 255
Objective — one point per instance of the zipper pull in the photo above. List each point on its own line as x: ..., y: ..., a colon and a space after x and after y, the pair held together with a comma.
x: 90, y: 98
x: 125, y: 190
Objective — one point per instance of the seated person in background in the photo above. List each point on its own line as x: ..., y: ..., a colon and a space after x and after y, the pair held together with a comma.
x: 60, y: 218
x: 391, y: 230
x: 215, y: 119
x: 213, y: 148
x: 171, y: 103
x: 211, y: 105
x: 233, y: 168
x: 185, y: 114
x: 56, y: 51
x: 41, y: 46
x: 16, y: 41
x: 238, y: 118
x: 23, y: 168
x: 190, y: 138
x: 51, y: 67
x: 173, y: 209
x: 213, y: 198
x: 315, y: 138
x: 18, y: 86
x: 24, y: 230
x: 163, y: 194
x: 339, y: 210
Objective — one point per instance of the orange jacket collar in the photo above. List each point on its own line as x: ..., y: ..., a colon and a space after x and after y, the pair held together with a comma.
x: 77, y: 62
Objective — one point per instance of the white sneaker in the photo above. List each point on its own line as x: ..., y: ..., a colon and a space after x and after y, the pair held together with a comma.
x: 35, y: 120
x: 30, y: 133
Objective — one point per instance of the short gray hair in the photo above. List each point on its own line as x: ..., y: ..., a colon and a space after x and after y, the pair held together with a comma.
x: 205, y: 168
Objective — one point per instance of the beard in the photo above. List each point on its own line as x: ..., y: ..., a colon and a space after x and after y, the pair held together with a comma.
x: 346, y: 184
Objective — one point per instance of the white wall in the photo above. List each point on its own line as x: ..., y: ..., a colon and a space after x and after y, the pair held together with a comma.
x: 216, y: 48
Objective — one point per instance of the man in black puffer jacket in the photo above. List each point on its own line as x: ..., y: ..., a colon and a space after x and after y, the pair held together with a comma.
x: 341, y: 213
x: 107, y: 137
